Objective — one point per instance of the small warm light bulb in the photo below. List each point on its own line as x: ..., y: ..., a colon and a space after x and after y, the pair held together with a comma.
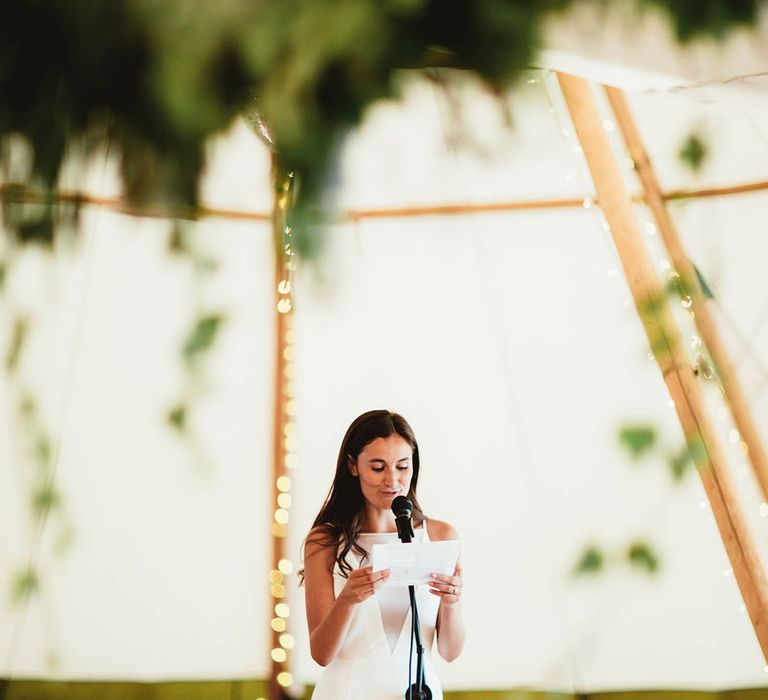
x: 291, y: 444
x: 284, y: 306
x: 285, y: 566
x: 281, y: 516
x: 283, y: 483
x: 286, y: 641
x: 284, y: 500
x: 279, y: 655
x: 278, y: 530
x: 278, y: 625
x: 277, y: 590
x: 282, y: 610
x: 289, y: 353
x: 291, y: 461
x: 284, y: 287
x: 284, y: 679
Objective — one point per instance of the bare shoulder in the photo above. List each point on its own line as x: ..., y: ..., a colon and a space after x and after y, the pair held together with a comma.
x: 320, y: 540
x: 441, y: 530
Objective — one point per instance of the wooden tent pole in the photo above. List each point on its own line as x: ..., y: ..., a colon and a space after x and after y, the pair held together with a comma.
x: 691, y: 286
x: 280, y: 677
x: 667, y: 346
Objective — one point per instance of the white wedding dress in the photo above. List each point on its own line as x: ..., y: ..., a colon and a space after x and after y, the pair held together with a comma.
x: 372, y: 663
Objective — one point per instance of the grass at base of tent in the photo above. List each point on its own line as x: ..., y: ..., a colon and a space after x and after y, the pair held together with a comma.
x: 253, y: 689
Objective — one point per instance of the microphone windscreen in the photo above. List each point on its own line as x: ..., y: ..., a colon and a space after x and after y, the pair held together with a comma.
x: 402, y: 507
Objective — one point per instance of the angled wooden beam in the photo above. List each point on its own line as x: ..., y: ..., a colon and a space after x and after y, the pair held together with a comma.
x: 669, y: 351
x: 690, y: 285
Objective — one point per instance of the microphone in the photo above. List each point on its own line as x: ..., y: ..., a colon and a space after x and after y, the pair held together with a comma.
x: 402, y: 508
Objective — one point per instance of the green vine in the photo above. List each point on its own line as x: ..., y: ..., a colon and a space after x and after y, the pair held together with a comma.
x: 156, y: 80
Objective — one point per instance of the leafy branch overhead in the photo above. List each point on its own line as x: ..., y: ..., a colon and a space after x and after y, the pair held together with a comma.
x: 156, y: 80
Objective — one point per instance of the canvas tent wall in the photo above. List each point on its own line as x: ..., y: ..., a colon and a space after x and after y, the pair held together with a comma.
x: 504, y: 337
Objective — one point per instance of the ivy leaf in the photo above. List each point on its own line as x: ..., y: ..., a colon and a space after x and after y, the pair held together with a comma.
x: 703, y: 282
x: 44, y: 499
x: 202, y: 337
x: 177, y: 417
x: 642, y: 556
x: 638, y: 439
x: 679, y: 463
x: 19, y: 335
x: 42, y: 450
x: 591, y: 561
x: 694, y: 152
x: 25, y: 585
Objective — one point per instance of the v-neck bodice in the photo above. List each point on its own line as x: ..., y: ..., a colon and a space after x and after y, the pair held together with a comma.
x: 372, y: 664
x: 381, y: 624
x: 393, y: 601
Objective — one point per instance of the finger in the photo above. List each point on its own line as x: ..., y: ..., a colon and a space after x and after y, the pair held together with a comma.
x: 441, y: 577
x: 457, y: 571
x: 382, y: 574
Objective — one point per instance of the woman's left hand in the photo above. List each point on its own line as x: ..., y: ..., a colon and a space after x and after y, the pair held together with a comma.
x: 448, y: 588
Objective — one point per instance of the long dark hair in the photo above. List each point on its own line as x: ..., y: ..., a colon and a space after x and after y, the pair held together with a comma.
x: 341, y: 518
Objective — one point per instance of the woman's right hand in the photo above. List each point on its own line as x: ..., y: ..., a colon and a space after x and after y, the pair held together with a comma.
x: 363, y: 583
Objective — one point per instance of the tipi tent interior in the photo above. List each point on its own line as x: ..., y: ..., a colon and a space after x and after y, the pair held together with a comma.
x: 468, y: 281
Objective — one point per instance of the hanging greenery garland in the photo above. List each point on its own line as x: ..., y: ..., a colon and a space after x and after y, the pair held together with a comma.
x: 158, y: 79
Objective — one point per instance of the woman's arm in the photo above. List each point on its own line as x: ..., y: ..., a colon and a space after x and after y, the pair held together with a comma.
x: 450, y: 623
x: 328, y: 617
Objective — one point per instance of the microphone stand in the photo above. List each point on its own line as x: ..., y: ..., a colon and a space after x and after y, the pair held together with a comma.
x: 419, y: 690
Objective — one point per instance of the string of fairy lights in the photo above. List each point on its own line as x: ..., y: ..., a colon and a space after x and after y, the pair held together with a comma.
x: 286, y: 457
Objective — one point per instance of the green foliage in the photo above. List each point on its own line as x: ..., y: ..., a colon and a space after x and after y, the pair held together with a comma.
x: 18, y: 336
x: 693, y: 153
x: 642, y: 556
x: 177, y: 417
x: 155, y: 80
x: 44, y: 499
x: 202, y: 337
x: 679, y: 463
x: 703, y: 284
x: 590, y: 562
x: 638, y: 439
x: 25, y: 584
x: 713, y: 18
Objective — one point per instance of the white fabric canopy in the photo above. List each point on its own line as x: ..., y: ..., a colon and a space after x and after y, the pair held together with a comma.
x: 507, y: 341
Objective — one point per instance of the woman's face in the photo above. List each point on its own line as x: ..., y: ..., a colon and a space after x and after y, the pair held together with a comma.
x: 385, y: 470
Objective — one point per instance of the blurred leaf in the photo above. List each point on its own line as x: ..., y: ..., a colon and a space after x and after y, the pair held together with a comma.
x: 698, y: 450
x: 638, y: 439
x: 177, y: 243
x: 177, y: 417
x: 642, y: 556
x: 44, y: 499
x: 202, y: 337
x: 25, y: 585
x: 42, y: 450
x: 693, y: 153
x: 679, y: 463
x: 18, y: 336
x: 703, y: 282
x: 27, y: 406
x: 591, y: 561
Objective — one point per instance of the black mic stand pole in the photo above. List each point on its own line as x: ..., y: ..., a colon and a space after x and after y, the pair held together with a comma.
x: 419, y: 690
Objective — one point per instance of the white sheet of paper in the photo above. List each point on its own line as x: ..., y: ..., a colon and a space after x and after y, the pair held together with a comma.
x: 412, y: 563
